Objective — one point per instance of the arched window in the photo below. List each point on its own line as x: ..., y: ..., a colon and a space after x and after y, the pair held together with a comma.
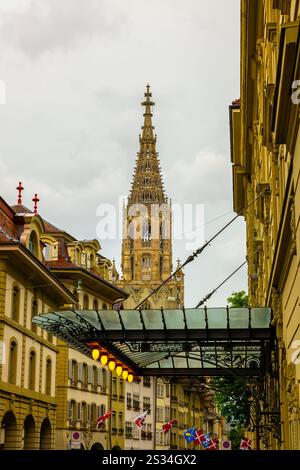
x: 95, y: 304
x: 47, y: 251
x: 85, y: 302
x: 32, y: 370
x: 146, y: 268
x: 146, y: 262
x: 12, y: 365
x: 15, y: 309
x: 48, y: 376
x: 34, y: 311
x: 33, y: 244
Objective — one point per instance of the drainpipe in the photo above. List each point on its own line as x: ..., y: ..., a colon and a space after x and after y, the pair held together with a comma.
x: 154, y: 406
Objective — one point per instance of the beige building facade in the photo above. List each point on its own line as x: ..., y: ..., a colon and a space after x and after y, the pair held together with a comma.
x: 265, y: 150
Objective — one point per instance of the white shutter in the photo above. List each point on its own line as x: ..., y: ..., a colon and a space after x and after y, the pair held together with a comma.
x: 70, y: 369
x: 80, y: 372
x: 90, y: 374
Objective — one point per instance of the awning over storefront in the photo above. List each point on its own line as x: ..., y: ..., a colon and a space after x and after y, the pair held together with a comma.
x: 170, y: 343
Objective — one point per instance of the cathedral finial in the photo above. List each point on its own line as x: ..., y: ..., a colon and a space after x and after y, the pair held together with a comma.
x: 20, y: 189
x: 35, y: 200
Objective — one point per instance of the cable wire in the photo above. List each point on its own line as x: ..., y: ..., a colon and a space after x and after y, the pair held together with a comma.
x: 198, y: 251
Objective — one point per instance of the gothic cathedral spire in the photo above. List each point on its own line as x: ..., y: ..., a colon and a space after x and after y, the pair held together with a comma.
x: 147, y: 185
x: 147, y: 234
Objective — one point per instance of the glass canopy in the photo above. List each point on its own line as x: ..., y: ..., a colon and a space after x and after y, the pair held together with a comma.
x: 196, y: 342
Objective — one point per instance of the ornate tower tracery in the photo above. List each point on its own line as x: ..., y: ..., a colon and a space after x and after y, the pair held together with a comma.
x: 147, y: 227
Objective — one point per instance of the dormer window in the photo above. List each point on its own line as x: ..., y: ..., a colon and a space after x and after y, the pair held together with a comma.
x: 33, y: 244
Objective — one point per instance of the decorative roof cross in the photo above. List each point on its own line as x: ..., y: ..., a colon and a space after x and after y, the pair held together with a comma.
x: 35, y: 200
x: 20, y: 189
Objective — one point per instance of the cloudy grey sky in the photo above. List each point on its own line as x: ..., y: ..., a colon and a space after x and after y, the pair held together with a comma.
x: 75, y: 74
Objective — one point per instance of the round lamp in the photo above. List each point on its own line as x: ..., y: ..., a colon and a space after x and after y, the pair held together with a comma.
x: 111, y: 365
x: 130, y: 378
x: 95, y: 354
x: 119, y: 370
x: 125, y: 374
x: 104, y: 360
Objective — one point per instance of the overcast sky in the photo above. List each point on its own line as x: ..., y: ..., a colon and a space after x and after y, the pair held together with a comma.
x: 75, y: 74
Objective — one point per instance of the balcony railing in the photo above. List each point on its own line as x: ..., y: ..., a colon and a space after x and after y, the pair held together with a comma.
x: 121, y: 398
x: 114, y: 396
x: 128, y: 434
x: 114, y: 430
x: 121, y: 431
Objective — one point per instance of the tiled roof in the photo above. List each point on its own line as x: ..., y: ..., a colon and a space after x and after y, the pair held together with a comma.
x: 20, y: 209
x: 61, y: 263
x: 50, y: 227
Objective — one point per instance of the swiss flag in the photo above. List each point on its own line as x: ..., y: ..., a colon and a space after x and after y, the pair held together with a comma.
x: 166, y: 427
x: 200, y: 438
x: 139, y: 420
x: 245, y: 444
x: 102, y: 418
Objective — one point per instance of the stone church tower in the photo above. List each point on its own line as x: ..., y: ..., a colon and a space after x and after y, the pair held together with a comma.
x: 147, y: 229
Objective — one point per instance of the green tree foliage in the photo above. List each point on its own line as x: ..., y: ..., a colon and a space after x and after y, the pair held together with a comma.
x: 238, y: 299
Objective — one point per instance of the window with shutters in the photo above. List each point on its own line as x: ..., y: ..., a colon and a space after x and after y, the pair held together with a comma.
x: 84, y: 414
x: 95, y: 378
x: 167, y: 413
x: 79, y: 412
x: 34, y: 312
x: 128, y: 429
x: 104, y: 381
x: 146, y: 404
x: 15, y: 308
x: 84, y: 376
x: 114, y: 388
x: 32, y: 370
x: 120, y: 424
x: 136, y: 402
x: 93, y: 415
x: 73, y: 372
x: 72, y: 416
x: 13, y: 360
x: 48, y: 376
x: 113, y: 423
x: 121, y: 388
x: 129, y: 401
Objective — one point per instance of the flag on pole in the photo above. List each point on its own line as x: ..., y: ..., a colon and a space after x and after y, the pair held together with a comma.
x: 245, y: 444
x: 102, y: 418
x: 199, y: 437
x: 139, y: 420
x: 166, y: 427
x: 190, y: 434
x: 212, y: 445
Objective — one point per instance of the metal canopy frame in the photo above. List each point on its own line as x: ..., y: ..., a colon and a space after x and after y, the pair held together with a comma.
x: 171, y: 343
